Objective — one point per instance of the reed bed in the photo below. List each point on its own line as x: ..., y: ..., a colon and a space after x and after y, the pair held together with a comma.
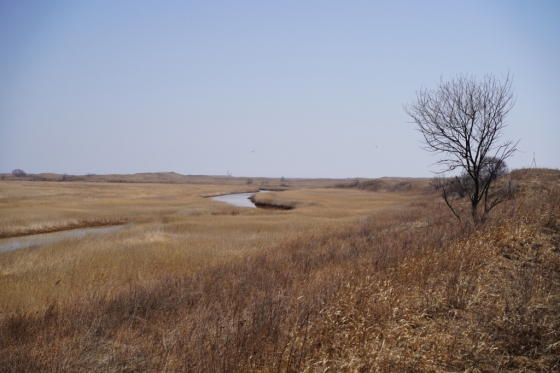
x: 171, y: 230
x: 405, y: 289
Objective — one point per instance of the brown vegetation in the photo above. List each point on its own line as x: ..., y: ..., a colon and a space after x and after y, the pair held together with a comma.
x: 172, y: 178
x: 384, y: 185
x: 171, y: 230
x: 271, y: 201
x: 406, y: 289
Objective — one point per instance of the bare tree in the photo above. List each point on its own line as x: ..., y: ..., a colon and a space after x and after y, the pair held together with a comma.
x: 493, y: 168
x: 18, y: 173
x: 463, y: 120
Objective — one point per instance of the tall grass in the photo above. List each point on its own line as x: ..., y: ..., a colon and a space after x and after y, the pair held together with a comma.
x: 405, y: 290
x: 171, y: 231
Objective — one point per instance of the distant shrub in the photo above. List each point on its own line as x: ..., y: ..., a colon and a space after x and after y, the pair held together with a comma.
x: 18, y: 173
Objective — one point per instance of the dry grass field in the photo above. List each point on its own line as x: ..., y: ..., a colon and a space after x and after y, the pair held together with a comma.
x: 170, y: 230
x: 349, y: 280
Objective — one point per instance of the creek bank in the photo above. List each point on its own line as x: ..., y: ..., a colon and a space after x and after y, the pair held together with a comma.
x: 255, y: 200
x: 270, y: 205
x: 59, y: 228
x: 22, y: 242
x: 236, y: 199
x: 271, y: 202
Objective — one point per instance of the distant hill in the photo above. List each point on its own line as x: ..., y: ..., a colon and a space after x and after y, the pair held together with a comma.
x: 384, y: 184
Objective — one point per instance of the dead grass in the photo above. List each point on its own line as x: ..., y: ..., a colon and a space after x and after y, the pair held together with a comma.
x: 487, y: 301
x: 171, y: 231
x: 387, y: 184
x: 406, y: 289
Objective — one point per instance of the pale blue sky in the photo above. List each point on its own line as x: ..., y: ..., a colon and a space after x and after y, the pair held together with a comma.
x: 260, y: 88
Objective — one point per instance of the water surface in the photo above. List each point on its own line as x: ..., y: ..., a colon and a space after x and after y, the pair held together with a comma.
x: 238, y: 199
x: 14, y: 243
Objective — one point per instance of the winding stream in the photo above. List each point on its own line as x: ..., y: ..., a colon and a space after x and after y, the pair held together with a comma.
x: 14, y: 243
x: 238, y: 199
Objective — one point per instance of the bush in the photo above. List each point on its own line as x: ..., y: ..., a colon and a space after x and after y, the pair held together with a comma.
x: 18, y: 173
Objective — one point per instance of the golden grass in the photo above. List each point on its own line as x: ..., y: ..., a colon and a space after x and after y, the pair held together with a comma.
x: 350, y: 281
x: 171, y: 230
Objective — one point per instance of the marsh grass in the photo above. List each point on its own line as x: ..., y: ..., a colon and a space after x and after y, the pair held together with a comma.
x: 403, y: 287
x: 272, y: 201
x: 171, y: 230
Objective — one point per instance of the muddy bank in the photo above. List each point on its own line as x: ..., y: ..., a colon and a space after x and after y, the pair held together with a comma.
x: 263, y: 198
x: 270, y: 202
x: 272, y: 206
x: 60, y: 228
x: 229, y: 192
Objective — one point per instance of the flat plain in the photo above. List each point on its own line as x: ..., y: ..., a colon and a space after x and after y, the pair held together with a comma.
x: 358, y: 276
x: 169, y: 229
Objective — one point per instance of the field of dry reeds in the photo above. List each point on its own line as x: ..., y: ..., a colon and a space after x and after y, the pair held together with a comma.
x: 347, y: 281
